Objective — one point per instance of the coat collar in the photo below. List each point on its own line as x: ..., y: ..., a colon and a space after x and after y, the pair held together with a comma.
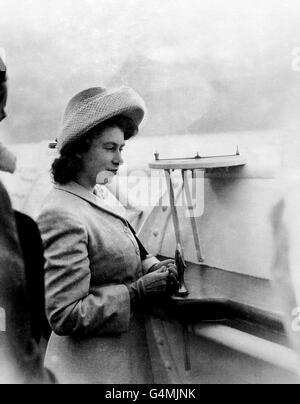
x: 78, y: 190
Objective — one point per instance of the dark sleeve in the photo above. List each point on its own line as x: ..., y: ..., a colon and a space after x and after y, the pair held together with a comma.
x: 13, y: 296
x: 33, y: 253
x: 23, y: 354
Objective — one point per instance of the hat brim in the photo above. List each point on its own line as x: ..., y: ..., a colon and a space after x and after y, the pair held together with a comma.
x: 99, y: 109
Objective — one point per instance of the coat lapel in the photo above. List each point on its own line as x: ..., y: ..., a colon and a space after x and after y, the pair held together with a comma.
x: 78, y: 190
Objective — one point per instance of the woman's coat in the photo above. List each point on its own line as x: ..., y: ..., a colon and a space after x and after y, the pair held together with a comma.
x: 90, y: 255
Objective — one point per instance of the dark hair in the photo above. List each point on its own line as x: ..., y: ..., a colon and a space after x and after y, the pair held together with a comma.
x: 2, y: 72
x: 68, y: 165
x: 2, y: 76
x: 3, y: 80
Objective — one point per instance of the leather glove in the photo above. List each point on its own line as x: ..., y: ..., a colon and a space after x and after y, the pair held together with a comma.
x: 155, y: 284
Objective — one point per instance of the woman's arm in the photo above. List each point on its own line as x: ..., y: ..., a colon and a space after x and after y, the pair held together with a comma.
x: 72, y: 308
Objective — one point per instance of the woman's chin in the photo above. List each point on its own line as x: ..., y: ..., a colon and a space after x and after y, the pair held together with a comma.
x: 105, y: 177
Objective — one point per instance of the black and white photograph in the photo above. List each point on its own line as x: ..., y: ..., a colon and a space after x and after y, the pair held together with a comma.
x: 149, y: 194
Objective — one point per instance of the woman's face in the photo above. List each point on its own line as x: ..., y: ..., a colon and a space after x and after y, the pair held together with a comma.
x: 103, y: 155
x: 3, y: 98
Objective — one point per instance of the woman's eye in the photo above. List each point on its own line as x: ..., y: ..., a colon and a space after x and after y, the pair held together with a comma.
x: 113, y: 148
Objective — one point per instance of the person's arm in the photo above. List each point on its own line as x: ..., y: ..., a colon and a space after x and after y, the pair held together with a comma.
x: 34, y: 262
x: 23, y: 354
x: 8, y: 160
x: 72, y: 306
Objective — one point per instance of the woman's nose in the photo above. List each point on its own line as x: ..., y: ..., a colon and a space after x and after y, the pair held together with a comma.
x: 118, y: 159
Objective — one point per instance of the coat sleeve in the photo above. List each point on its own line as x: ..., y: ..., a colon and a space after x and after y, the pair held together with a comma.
x: 24, y: 363
x: 71, y: 306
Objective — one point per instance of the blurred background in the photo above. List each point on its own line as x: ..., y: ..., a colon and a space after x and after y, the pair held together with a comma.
x: 202, y: 66
x: 214, y: 74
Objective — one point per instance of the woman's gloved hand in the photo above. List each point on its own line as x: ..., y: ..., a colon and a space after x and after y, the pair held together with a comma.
x: 158, y: 283
x: 170, y: 264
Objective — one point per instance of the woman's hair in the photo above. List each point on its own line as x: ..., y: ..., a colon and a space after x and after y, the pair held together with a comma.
x: 2, y: 77
x: 3, y: 80
x: 2, y: 72
x: 69, y: 164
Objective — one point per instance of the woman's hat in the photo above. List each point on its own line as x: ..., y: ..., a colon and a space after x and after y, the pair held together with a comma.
x: 95, y: 105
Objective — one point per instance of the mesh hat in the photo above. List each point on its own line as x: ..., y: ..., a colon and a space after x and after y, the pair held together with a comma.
x: 95, y: 105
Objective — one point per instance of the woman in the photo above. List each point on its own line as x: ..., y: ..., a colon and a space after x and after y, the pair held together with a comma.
x: 98, y: 275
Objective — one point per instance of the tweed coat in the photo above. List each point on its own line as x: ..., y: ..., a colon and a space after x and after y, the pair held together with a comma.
x: 91, y: 254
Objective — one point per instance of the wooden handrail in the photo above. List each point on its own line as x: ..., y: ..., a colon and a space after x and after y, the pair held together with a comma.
x: 270, y: 352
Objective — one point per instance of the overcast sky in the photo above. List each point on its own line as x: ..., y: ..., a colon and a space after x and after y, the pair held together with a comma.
x: 106, y: 31
x: 57, y: 47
